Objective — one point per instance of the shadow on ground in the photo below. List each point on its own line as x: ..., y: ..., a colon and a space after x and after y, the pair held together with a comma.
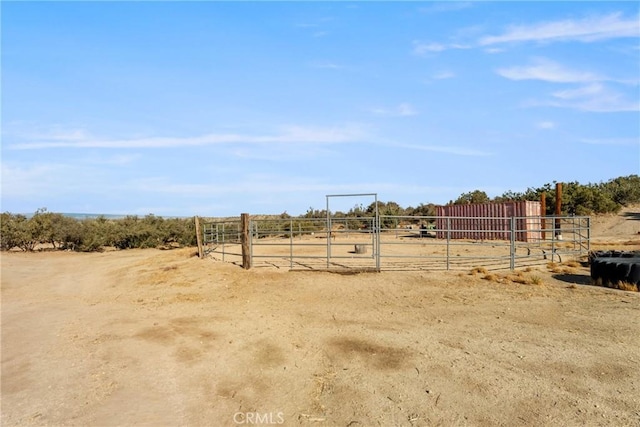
x: 580, y: 279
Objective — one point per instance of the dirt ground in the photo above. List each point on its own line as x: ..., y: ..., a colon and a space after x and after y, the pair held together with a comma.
x: 155, y: 338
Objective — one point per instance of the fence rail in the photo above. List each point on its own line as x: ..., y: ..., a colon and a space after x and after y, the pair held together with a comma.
x: 401, y: 242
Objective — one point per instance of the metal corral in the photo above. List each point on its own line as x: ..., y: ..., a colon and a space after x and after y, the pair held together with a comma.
x: 412, y: 243
x: 313, y: 244
x: 401, y: 242
x: 491, y: 221
x: 222, y: 238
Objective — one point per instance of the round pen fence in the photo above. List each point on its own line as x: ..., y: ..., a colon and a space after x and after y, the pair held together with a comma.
x: 398, y: 242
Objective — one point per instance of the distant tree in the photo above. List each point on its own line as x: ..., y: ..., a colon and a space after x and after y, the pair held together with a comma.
x: 422, y: 210
x: 357, y: 210
x: 623, y: 190
x: 11, y: 230
x: 509, y: 196
x: 476, y: 196
x: 18, y: 231
x: 392, y: 208
x: 315, y: 213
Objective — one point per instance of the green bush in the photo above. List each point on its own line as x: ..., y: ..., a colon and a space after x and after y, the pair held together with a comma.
x: 18, y: 231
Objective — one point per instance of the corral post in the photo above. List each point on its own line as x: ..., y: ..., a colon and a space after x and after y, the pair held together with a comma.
x: 543, y: 213
x: 558, y: 231
x: 328, y: 225
x: 199, y: 237
x: 448, y: 239
x: 512, y: 254
x: 246, y: 254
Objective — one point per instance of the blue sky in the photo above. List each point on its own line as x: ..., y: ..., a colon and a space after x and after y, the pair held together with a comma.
x: 218, y: 108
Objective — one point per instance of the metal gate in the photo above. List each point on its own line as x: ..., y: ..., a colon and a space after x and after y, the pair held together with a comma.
x: 353, y: 254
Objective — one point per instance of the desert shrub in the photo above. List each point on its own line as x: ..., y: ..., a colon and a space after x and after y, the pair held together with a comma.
x: 133, y: 232
x: 150, y: 232
x: 94, y: 234
x: 14, y: 232
x: 8, y: 238
x: 18, y: 231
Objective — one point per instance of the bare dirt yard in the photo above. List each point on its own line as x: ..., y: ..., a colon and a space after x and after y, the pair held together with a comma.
x: 162, y: 338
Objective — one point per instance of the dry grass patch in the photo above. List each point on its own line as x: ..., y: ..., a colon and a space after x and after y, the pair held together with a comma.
x: 573, y: 264
x: 491, y: 277
x: 478, y: 270
x: 626, y: 286
x: 555, y: 268
x: 621, y: 285
x: 518, y: 279
x: 536, y: 280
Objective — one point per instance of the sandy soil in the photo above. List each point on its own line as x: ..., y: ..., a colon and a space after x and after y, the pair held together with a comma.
x: 147, y: 337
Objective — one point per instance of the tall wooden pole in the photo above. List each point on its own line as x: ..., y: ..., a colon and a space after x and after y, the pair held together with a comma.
x: 543, y: 213
x: 558, y: 208
x: 246, y: 250
x: 199, y: 238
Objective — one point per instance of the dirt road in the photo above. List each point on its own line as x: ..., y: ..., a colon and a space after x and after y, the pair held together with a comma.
x: 147, y: 337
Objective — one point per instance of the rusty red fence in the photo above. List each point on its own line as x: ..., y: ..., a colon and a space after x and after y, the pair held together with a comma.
x: 490, y: 221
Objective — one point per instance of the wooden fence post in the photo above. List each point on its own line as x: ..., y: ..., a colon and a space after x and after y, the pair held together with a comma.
x: 543, y: 213
x: 558, y: 210
x: 199, y: 237
x: 246, y: 250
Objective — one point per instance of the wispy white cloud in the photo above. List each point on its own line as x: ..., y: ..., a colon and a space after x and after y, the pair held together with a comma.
x: 443, y: 75
x: 447, y: 149
x: 327, y: 64
x: 287, y: 135
x: 422, y: 48
x: 117, y: 160
x: 594, y: 94
x: 402, y: 110
x: 582, y: 92
x: 315, y: 29
x: 612, y: 141
x: 546, y: 125
x: 586, y: 30
x: 54, y: 133
x: 306, y: 25
x: 550, y: 71
x: 46, y: 180
x: 594, y: 97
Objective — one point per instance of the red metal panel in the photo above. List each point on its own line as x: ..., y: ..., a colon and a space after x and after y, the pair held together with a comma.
x: 490, y: 220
